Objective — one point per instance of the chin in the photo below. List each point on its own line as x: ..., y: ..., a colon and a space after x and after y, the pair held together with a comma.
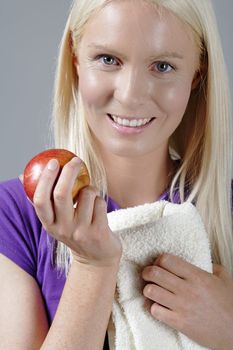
x: 130, y: 151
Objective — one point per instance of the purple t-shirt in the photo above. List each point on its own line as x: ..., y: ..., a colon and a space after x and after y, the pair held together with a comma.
x: 24, y: 241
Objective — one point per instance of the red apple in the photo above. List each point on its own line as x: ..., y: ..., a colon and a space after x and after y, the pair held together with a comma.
x: 36, y: 165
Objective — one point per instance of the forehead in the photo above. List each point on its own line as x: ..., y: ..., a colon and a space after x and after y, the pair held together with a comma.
x: 127, y: 23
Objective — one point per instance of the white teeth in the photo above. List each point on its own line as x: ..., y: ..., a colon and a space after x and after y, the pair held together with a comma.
x: 132, y: 123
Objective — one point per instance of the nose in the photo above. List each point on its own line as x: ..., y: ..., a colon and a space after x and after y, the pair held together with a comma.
x: 131, y: 89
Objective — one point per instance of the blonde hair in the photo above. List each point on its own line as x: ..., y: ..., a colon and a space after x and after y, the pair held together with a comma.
x: 203, y: 139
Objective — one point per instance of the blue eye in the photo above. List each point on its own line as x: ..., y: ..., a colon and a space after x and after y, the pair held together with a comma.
x: 107, y: 60
x: 162, y: 67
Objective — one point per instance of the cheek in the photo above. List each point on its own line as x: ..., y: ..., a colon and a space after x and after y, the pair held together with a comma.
x: 94, y: 93
x: 174, y: 98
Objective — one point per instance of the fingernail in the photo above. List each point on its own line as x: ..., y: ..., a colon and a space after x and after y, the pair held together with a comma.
x: 76, y: 160
x: 52, y: 164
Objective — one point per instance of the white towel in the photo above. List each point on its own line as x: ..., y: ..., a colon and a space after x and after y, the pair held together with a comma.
x: 147, y: 231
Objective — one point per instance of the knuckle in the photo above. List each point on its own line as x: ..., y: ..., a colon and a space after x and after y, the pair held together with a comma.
x: 70, y: 167
x: 148, y: 289
x: 88, y: 192
x: 150, y: 272
x: 155, y: 271
x: 61, y: 235
x: 89, y: 188
x: 101, y: 202
x: 38, y: 200
x: 60, y: 194
x: 79, y: 236
x: 146, y: 273
x: 219, y: 270
x: 46, y: 174
x: 164, y: 259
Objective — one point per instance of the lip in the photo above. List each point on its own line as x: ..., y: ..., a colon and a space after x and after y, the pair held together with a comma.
x: 127, y: 130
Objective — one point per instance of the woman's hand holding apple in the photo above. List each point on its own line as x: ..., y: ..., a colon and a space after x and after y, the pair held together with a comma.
x: 84, y: 228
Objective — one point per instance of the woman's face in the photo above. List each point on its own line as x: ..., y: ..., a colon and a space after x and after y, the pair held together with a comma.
x: 135, y: 67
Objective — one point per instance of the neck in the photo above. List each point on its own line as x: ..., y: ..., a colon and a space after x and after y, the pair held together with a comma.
x: 139, y: 180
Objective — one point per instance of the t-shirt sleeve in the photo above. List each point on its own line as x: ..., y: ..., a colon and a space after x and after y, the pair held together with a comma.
x: 19, y: 226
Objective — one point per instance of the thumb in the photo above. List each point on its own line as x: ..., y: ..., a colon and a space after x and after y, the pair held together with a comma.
x: 220, y: 271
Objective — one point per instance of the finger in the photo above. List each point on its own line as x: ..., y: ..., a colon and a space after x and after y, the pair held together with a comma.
x: 100, y: 212
x: 62, y: 194
x: 216, y: 269
x: 85, y: 207
x: 147, y: 304
x: 166, y: 316
x: 159, y: 295
x: 42, y: 196
x: 177, y: 266
x: 220, y: 271
x: 163, y: 278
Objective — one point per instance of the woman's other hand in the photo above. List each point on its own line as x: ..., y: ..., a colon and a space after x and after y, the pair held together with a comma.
x: 197, y: 303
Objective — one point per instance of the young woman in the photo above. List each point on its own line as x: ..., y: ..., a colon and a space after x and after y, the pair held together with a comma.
x: 141, y: 95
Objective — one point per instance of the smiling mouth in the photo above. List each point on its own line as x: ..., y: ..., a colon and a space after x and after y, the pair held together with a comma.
x: 130, y: 122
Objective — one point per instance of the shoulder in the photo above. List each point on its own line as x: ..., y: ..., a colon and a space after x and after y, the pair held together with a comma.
x: 14, y: 202
x: 11, y: 187
x: 24, y: 241
x: 12, y: 191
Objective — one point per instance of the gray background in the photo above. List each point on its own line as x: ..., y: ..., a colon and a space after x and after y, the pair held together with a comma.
x: 30, y: 32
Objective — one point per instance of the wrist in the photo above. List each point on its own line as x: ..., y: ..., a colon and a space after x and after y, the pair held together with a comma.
x: 112, y: 265
x: 99, y: 277
x: 110, y: 262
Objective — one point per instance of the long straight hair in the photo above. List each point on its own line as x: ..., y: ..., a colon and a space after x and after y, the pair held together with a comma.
x: 203, y: 140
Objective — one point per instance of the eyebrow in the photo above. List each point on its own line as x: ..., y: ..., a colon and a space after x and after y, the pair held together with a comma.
x: 168, y: 54
x: 105, y: 48
x: 163, y: 55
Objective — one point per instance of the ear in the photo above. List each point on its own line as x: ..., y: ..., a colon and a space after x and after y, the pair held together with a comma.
x: 199, y: 74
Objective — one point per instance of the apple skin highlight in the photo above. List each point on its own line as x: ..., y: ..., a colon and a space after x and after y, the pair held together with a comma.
x: 37, y: 164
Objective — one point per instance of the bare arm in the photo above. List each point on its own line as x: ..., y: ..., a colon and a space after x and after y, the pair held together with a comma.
x: 23, y: 320
x: 81, y: 319
x: 85, y: 305
x: 83, y: 313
